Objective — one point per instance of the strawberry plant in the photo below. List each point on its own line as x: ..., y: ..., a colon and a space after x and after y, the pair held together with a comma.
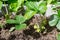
x: 32, y: 8
x: 19, y: 21
x: 36, y: 6
x: 55, y: 20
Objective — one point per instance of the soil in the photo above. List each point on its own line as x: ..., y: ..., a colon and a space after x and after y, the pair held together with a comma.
x: 28, y: 34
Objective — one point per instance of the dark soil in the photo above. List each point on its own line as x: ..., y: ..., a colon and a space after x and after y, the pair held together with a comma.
x: 29, y: 33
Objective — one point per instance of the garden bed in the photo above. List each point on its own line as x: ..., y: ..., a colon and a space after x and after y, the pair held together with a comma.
x: 29, y: 20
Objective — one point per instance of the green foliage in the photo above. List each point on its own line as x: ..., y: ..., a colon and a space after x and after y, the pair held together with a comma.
x: 10, y: 21
x: 0, y: 4
x: 42, y: 7
x: 58, y: 25
x: 33, y: 7
x: 51, y: 1
x: 15, y: 4
x: 19, y: 20
x: 29, y: 14
x: 54, y: 1
x: 20, y: 27
x: 10, y: 1
x: 59, y: 12
x: 36, y: 6
x: 58, y: 36
x: 55, y: 21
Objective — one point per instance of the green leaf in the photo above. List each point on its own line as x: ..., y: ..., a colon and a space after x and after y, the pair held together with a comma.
x: 0, y: 4
x: 58, y: 12
x: 13, y: 7
x: 57, y: 4
x: 58, y: 36
x: 20, y: 27
x: 29, y: 14
x: 58, y: 25
x: 32, y: 5
x: 20, y: 19
x: 10, y: 21
x: 53, y: 20
x: 42, y: 7
x: 49, y: 1
x: 36, y: 6
x: 52, y: 1
x: 15, y: 4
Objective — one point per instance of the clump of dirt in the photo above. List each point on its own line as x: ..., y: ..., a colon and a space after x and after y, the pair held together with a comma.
x: 4, y: 34
x: 27, y: 34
